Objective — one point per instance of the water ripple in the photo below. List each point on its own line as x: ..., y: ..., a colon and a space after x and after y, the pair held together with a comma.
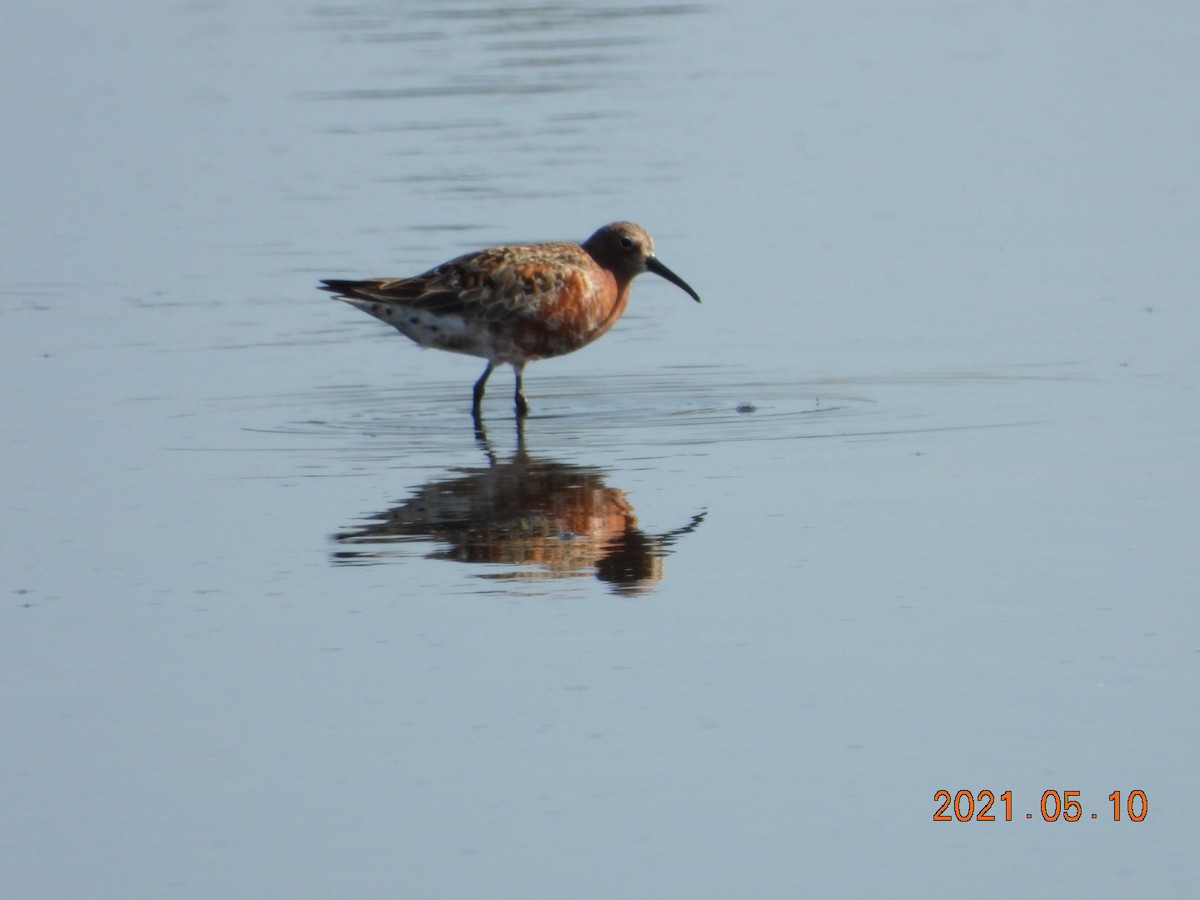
x: 666, y: 409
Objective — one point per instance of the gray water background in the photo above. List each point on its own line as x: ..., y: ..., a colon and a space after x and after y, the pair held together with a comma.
x: 910, y: 502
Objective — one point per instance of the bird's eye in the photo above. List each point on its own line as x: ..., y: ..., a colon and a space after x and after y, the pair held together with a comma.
x: 626, y: 243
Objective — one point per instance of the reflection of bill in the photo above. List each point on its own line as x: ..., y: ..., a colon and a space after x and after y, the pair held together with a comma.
x: 559, y: 519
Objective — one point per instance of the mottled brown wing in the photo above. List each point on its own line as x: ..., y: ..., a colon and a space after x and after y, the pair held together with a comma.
x: 502, y: 284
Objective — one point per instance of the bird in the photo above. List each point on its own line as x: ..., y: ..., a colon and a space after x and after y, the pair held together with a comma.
x: 515, y: 303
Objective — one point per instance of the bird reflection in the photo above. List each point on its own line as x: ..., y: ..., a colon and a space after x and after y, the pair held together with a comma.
x: 554, y: 519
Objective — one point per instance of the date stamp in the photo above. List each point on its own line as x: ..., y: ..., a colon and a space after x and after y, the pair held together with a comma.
x: 1055, y: 806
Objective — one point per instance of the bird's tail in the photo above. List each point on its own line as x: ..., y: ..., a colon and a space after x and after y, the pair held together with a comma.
x: 347, y: 289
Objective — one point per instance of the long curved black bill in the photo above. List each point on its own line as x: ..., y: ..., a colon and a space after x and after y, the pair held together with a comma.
x: 653, y: 265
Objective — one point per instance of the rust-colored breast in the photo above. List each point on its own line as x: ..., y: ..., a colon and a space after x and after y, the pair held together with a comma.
x: 583, y: 304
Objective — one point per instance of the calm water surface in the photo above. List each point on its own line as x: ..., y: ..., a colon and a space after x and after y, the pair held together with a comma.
x: 909, y: 503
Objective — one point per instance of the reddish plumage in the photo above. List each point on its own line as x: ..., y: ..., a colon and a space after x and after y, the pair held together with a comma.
x: 516, y: 303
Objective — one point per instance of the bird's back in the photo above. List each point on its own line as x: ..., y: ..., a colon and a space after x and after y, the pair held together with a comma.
x: 508, y: 304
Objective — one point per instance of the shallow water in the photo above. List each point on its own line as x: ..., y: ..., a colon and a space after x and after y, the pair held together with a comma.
x: 909, y: 503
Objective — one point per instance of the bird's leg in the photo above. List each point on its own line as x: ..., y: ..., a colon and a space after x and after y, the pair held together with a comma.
x: 518, y: 397
x: 477, y: 394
